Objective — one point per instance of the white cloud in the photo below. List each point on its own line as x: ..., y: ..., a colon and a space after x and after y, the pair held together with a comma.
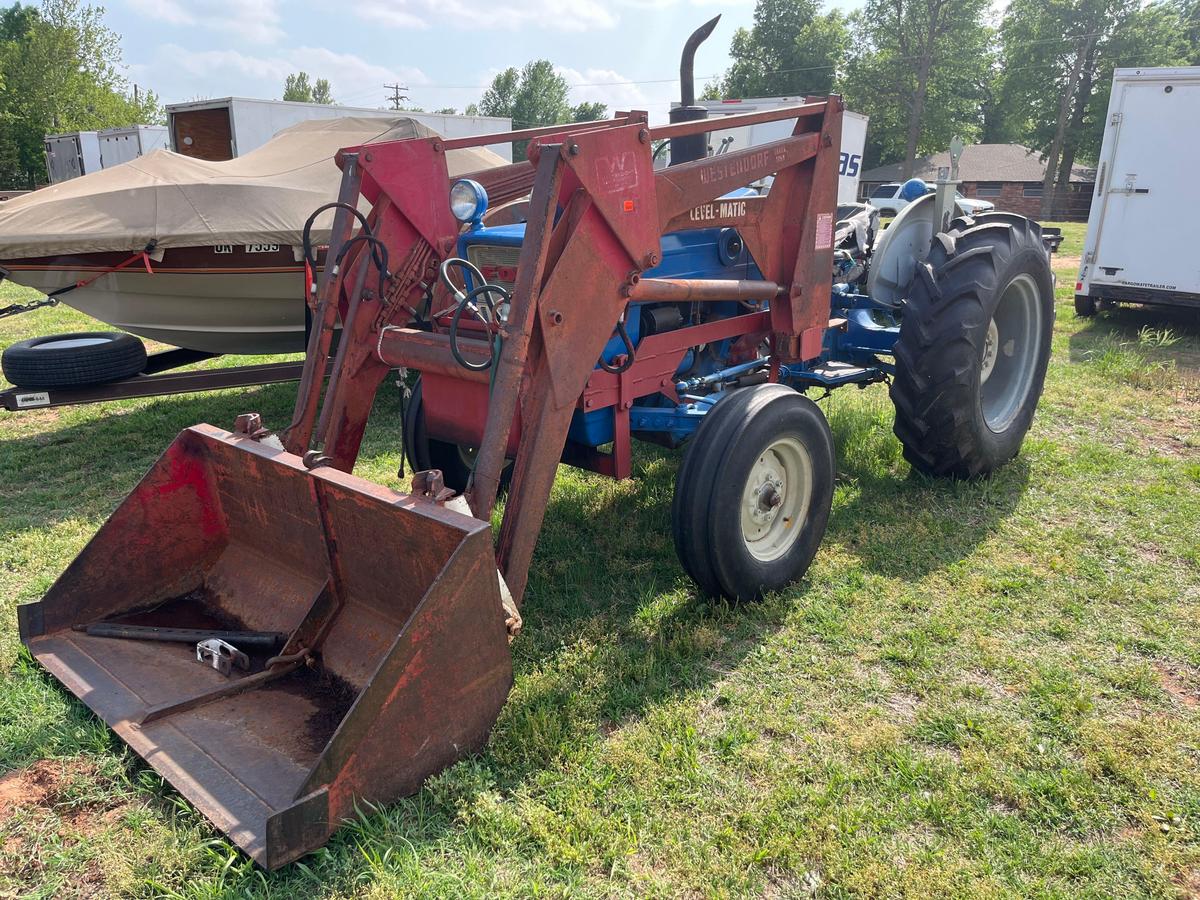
x: 228, y: 71
x: 603, y: 86
x: 509, y: 15
x: 257, y: 21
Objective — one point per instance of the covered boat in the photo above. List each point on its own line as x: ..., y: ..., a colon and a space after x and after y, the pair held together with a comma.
x: 197, y: 254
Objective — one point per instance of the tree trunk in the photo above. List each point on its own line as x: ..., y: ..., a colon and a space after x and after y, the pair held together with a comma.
x: 916, y: 114
x: 1075, y: 127
x: 1060, y: 128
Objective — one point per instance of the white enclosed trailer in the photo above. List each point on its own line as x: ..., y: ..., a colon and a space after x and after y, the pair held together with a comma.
x: 854, y: 135
x: 120, y: 145
x: 72, y: 154
x: 1139, y: 248
x: 233, y: 126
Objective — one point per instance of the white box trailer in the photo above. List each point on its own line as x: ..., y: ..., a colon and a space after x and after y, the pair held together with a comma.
x: 120, y: 145
x: 72, y: 154
x: 725, y: 140
x: 1138, y: 248
x: 232, y: 126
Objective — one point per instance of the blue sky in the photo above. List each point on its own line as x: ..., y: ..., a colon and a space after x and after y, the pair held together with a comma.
x: 445, y: 51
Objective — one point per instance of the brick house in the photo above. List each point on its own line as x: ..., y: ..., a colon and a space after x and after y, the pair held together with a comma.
x: 1008, y: 175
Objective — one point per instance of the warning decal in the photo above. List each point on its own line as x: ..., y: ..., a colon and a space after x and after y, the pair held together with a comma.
x: 824, y: 231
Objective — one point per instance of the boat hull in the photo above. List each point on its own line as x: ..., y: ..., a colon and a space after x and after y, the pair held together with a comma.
x: 210, y: 299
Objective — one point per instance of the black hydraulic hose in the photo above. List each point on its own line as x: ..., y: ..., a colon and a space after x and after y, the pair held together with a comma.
x: 306, y: 235
x: 379, y: 255
x: 467, y: 300
x: 630, y: 351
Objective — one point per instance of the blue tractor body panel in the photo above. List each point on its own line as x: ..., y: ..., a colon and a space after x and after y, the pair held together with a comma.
x: 850, y: 354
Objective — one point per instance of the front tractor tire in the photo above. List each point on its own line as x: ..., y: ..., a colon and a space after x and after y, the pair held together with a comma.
x: 753, y: 493
x: 974, y: 345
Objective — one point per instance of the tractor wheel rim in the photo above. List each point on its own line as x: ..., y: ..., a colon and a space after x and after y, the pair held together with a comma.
x: 1010, y: 353
x: 775, y: 499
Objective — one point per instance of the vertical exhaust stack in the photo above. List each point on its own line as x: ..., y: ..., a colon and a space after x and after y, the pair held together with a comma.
x: 693, y: 146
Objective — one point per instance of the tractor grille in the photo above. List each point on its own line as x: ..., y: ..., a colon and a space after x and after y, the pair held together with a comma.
x: 498, y: 264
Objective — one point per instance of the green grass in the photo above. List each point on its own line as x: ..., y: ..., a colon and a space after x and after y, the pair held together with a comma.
x: 984, y: 689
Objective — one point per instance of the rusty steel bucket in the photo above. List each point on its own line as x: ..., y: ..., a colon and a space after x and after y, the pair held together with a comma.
x: 392, y: 660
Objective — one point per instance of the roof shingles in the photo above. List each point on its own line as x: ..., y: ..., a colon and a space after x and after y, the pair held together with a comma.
x: 981, y: 162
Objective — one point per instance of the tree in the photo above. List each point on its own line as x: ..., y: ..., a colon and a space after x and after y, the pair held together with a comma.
x: 59, y: 71
x: 1059, y: 56
x: 535, y: 95
x: 792, y: 49
x: 589, y: 112
x: 297, y: 87
x: 918, y: 67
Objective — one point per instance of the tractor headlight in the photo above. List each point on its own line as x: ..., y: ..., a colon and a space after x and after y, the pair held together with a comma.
x: 468, y: 200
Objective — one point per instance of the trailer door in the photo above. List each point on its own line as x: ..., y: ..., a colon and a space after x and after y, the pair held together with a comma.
x: 1151, y: 171
x: 203, y: 133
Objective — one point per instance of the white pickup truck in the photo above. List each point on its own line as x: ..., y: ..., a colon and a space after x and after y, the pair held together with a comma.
x: 886, y: 198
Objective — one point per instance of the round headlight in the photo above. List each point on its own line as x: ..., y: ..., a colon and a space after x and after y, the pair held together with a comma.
x: 468, y: 200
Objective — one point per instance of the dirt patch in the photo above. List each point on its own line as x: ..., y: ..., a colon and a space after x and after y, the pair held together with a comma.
x: 1188, y: 884
x: 43, y: 785
x: 1179, y: 683
x: 26, y: 788
x: 1066, y: 262
x: 903, y: 706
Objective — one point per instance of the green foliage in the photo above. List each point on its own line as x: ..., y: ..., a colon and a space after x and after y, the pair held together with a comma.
x: 534, y: 95
x: 981, y: 689
x: 59, y: 71
x: 588, y: 112
x: 298, y: 88
x: 918, y: 69
x: 792, y: 49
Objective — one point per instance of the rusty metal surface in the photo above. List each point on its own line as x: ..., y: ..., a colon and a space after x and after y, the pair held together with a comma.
x: 696, y: 290
x: 226, y: 531
x: 396, y: 661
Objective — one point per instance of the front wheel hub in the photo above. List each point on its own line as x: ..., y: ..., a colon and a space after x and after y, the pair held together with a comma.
x: 776, y: 498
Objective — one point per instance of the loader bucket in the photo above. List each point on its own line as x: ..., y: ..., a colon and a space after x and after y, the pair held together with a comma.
x: 396, y: 598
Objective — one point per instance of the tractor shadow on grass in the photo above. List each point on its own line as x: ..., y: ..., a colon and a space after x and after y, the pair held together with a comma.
x: 898, y: 522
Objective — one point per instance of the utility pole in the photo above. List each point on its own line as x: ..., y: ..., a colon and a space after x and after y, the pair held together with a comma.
x: 396, y: 95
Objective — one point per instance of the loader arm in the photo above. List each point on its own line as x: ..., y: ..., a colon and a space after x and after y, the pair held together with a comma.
x: 393, y: 623
x: 595, y: 222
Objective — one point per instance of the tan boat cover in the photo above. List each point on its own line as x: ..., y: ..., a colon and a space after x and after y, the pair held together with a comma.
x: 264, y: 197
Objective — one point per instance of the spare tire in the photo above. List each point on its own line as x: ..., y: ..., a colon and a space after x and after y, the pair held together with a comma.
x: 73, y: 360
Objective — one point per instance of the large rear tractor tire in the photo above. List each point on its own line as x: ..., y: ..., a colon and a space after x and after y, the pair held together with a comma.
x: 753, y: 494
x: 974, y: 345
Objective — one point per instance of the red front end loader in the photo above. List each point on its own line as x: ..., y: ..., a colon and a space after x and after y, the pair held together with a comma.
x: 355, y: 639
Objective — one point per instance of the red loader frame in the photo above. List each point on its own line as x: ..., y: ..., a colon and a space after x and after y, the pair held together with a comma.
x: 595, y: 220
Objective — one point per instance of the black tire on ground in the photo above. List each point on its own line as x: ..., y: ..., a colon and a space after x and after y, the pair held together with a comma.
x: 424, y: 452
x: 73, y: 360
x: 753, y: 494
x: 973, y: 347
x: 1085, y: 307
